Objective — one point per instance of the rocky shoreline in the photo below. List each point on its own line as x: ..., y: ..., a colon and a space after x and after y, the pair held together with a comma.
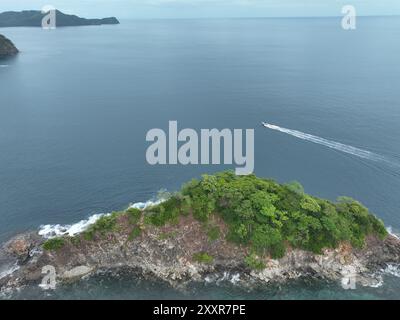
x: 166, y: 253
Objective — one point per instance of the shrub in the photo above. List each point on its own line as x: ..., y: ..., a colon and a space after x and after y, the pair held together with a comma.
x: 89, y: 235
x: 310, y: 204
x: 54, y: 244
x: 268, y: 239
x: 167, y: 235
x: 254, y: 262
x: 135, y: 233
x: 106, y: 224
x: 213, y: 233
x: 165, y: 212
x: 134, y: 215
x: 203, y: 257
x: 75, y: 240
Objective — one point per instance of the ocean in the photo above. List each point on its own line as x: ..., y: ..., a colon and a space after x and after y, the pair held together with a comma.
x: 77, y: 102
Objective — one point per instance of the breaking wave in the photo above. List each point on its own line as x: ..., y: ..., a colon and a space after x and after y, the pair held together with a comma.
x: 56, y: 230
x: 392, y: 269
x: 8, y: 271
x: 224, y: 277
x: 391, y: 232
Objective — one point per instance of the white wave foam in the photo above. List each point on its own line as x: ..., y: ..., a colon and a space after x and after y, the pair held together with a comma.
x: 51, y: 231
x: 379, y: 282
x: 330, y: 144
x: 392, y: 269
x: 235, y: 278
x: 3, y: 65
x: 217, y: 278
x: 144, y: 205
x: 9, y: 271
x: 392, y: 233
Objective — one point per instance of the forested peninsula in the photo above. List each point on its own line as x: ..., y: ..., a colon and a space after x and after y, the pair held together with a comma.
x: 256, y: 230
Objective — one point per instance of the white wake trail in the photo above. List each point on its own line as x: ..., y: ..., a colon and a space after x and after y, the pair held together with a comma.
x: 330, y: 144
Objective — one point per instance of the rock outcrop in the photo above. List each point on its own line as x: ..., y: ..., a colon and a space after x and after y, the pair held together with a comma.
x: 7, y: 48
x: 167, y: 254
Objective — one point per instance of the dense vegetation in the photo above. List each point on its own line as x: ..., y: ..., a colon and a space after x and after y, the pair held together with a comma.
x: 268, y: 216
x: 54, y: 244
x: 262, y: 214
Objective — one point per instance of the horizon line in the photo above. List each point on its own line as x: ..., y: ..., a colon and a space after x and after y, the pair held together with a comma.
x: 216, y: 17
x: 255, y: 17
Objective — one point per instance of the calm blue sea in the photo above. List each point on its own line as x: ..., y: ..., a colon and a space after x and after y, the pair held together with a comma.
x: 76, y: 104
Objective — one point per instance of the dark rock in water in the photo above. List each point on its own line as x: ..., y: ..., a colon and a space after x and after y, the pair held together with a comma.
x: 34, y: 18
x: 20, y: 247
x: 7, y: 48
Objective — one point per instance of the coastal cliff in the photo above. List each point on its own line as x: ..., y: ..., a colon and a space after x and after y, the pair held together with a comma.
x: 33, y: 18
x: 7, y: 48
x: 186, y: 239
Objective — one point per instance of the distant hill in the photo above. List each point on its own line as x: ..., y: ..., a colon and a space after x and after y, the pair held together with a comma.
x: 34, y: 18
x: 7, y: 48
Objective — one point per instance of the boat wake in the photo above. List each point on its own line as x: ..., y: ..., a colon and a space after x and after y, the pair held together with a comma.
x: 364, y: 154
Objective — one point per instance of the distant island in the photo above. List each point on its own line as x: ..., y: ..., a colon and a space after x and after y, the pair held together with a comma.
x: 33, y: 18
x: 7, y: 48
x: 256, y: 230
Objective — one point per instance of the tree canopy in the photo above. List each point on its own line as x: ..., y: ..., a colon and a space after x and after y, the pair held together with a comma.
x: 268, y: 216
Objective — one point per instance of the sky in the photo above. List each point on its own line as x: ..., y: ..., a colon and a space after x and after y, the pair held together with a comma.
x: 150, y: 9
